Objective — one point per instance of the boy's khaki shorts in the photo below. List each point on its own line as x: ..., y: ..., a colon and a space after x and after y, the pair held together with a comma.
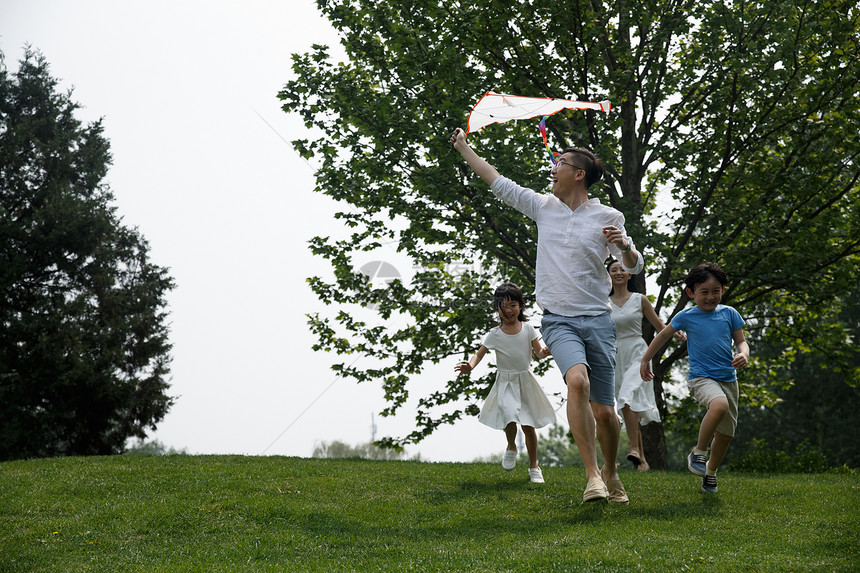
x: 706, y: 389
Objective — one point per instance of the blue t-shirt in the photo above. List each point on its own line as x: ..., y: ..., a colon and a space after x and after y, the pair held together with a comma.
x: 709, y: 340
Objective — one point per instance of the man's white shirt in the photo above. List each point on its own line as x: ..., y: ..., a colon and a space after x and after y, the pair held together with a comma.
x: 570, y: 273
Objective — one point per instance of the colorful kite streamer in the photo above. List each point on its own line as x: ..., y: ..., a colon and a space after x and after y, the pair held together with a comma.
x: 552, y: 154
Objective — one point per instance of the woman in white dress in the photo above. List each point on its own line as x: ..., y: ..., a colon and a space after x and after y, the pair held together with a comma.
x: 516, y: 397
x: 634, y: 398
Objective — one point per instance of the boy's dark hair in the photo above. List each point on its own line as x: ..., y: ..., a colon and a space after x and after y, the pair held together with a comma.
x: 701, y: 273
x: 592, y: 164
x: 631, y: 282
x: 509, y: 291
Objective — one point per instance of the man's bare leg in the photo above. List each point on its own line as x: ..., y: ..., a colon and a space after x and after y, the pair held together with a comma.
x: 581, y: 418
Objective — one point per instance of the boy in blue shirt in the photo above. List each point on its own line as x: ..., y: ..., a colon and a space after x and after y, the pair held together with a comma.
x: 711, y: 327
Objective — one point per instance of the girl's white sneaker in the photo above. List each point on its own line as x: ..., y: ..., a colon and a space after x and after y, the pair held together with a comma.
x: 535, y: 475
x: 509, y: 461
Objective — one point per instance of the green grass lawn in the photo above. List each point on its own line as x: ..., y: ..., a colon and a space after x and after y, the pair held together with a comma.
x: 233, y: 513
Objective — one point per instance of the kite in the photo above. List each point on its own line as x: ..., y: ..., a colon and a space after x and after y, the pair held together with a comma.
x: 499, y: 108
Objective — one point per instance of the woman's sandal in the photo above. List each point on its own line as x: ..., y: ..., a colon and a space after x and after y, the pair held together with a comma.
x: 634, y: 457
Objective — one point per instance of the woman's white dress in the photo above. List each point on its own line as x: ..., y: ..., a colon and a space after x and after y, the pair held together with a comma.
x: 515, y: 396
x: 630, y: 389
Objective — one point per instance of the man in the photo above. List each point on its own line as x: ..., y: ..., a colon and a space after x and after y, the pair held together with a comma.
x: 575, y: 236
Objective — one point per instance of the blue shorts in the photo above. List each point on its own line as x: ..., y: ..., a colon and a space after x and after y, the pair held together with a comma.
x: 588, y: 340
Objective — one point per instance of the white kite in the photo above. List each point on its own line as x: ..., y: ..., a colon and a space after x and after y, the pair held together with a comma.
x: 499, y: 108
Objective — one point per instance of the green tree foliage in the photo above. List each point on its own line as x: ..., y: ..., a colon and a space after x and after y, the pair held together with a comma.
x: 818, y: 413
x: 732, y: 139
x: 84, y: 351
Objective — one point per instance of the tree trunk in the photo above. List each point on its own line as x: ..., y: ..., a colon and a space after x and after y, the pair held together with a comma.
x: 653, y: 436
x: 654, y: 443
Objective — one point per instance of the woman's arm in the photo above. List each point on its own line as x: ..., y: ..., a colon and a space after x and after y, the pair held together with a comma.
x: 651, y: 314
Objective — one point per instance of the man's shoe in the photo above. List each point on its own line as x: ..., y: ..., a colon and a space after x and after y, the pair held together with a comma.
x: 616, y: 490
x: 696, y: 464
x: 535, y: 475
x: 595, y: 490
x: 509, y: 461
x: 709, y: 484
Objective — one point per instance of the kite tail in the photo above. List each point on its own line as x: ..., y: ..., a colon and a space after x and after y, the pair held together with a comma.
x: 552, y: 154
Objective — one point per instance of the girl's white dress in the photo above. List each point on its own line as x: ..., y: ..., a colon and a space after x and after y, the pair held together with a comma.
x: 630, y: 389
x: 515, y: 396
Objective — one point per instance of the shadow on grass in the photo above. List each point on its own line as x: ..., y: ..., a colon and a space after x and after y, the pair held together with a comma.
x: 472, y: 487
x: 673, y: 509
x: 468, y: 508
x: 473, y: 512
x: 637, y: 510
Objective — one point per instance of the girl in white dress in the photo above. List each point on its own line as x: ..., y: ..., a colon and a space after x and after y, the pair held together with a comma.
x: 516, y: 397
x: 634, y: 398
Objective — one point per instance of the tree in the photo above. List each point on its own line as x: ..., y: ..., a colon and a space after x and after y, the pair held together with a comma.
x: 84, y: 351
x: 732, y: 140
x: 559, y: 449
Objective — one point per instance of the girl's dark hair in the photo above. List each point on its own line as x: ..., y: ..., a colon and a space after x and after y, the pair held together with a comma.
x: 586, y: 159
x: 509, y: 291
x: 701, y: 273
x: 631, y: 282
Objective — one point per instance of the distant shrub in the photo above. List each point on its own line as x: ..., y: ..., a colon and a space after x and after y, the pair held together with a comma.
x: 843, y: 469
x: 764, y: 457
x: 367, y: 451
x: 153, y: 448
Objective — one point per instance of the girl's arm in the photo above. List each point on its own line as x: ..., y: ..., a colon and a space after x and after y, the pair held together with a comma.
x: 659, y: 340
x: 483, y: 169
x: 651, y: 314
x: 466, y: 367
x: 742, y: 358
x: 540, y: 351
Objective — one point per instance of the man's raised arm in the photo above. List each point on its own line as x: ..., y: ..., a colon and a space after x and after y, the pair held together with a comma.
x: 483, y: 169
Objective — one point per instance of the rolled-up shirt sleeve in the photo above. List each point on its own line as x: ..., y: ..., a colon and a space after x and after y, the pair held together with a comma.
x: 524, y: 200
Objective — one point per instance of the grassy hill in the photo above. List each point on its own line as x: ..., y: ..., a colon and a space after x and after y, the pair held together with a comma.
x: 233, y: 513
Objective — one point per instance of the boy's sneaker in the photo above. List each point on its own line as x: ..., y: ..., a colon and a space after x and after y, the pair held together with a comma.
x: 535, y: 475
x: 509, y: 461
x: 696, y: 464
x: 709, y: 484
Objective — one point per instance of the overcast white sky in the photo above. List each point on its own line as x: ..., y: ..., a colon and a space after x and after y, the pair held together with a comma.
x: 187, y: 90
